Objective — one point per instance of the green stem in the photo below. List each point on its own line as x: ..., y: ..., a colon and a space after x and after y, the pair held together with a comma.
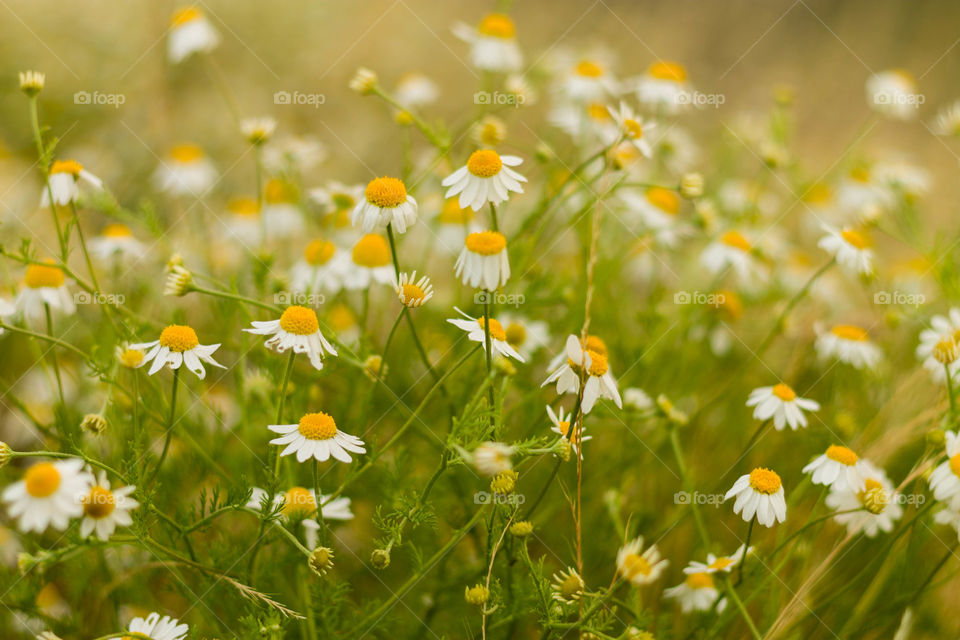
x: 489, y: 355
x: 743, y: 609
x: 42, y: 161
x: 283, y: 399
x: 685, y: 477
x: 743, y: 558
x: 169, y: 429
x: 53, y: 353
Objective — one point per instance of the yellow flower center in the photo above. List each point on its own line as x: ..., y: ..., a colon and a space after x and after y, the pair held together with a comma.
x: 131, y: 358
x: 764, y: 481
x: 278, y: 191
x: 386, y: 193
x: 343, y: 201
x: 860, y: 174
x: 42, y: 479
x: 955, y: 464
x: 856, y: 238
x: 496, y: 329
x: 598, y: 363
x: 850, y: 332
x: 484, y: 163
x: 731, y: 303
x: 486, y: 243
x: 298, y: 502
x: 664, y: 199
x: 784, y: 392
x: 598, y: 112
x: 183, y: 16
x: 99, y: 503
x: 412, y: 292
x: 720, y: 563
x: 41, y: 275
x: 736, y: 240
x: 665, y: 70
x: 341, y: 318
x: 116, y: 231
x: 186, y: 153
x: 818, y: 193
x: 589, y: 69
x: 371, y: 251
x: 633, y: 129
x: 319, y: 252
x: 595, y: 345
x: 317, y: 426
x: 178, y: 337
x: 843, y: 455
x: 699, y: 581
x: 634, y: 565
x: 243, y: 207
x: 571, y: 586
x: 299, y: 320
x: 66, y: 166
x: 516, y: 334
x: 497, y: 25
x: 453, y: 214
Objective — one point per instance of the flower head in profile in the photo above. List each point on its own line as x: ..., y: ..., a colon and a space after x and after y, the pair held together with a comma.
x: 851, y: 247
x: 64, y: 182
x: 491, y: 458
x: 319, y: 268
x: 697, y: 592
x: 483, y: 263
x: 190, y: 32
x: 117, y: 242
x: 414, y: 293
x: 759, y: 493
x: 32, y: 82
x: 567, y: 586
x: 664, y: 86
x: 733, y: 250
x: 633, y: 128
x: 945, y: 479
x: 587, y: 361
x: 258, y: 131
x: 44, y: 286
x: 178, y: 345
x: 486, y: 178
x: 157, y: 628
x: 838, y: 467
x: 781, y: 403
x: 316, y: 436
x: 718, y: 564
x: 943, y: 330
x: 47, y: 495
x: 385, y: 203
x: 105, y: 509
x: 299, y: 329
x: 849, y: 344
x: 185, y: 171
x: 561, y: 426
x: 640, y: 566
x: 493, y: 43
x: 476, y: 332
x: 300, y: 504
x: 872, y: 508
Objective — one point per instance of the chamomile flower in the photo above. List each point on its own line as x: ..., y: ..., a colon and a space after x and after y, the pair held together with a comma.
x: 243, y: 221
x: 493, y: 44
x: 863, y: 196
x: 664, y: 86
x: 337, y: 201
x: 116, y: 241
x: 658, y: 210
x: 104, y: 509
x: 948, y: 120
x: 633, y: 128
x: 157, y: 628
x: 414, y: 293
x: 697, y: 592
x: 781, y: 403
x: 525, y: 335
x: 415, y: 89
x: 483, y: 263
x: 491, y: 458
x: 715, y: 564
x: 48, y: 495
x: 851, y: 248
x: 561, y: 426
x: 894, y: 94
x: 486, y: 178
x: 300, y: 503
x: 369, y: 262
x: 838, y: 467
x: 592, y: 362
x: 385, y: 202
x: 282, y: 217
x: 759, y: 493
x: 942, y: 328
x: 190, y: 32
x: 316, y: 436
x: 949, y: 516
x: 178, y: 345
x: 64, y: 181
x: 638, y: 566
x: 850, y: 344
x: 873, y: 507
x: 44, y: 285
x: 945, y: 479
x: 476, y: 332
x: 567, y: 586
x: 186, y: 171
x: 732, y: 250
x: 299, y: 329
x: 586, y: 80
x: 258, y: 131
x: 319, y: 269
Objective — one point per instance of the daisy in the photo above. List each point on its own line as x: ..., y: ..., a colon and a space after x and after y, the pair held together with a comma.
x: 258, y: 131
x: 369, y: 263
x: 696, y: 593
x: 633, y: 128
x: 385, y: 203
x: 157, y: 628
x: 414, y: 293
x: 561, y: 426
x: 732, y: 251
x: 850, y: 344
x: 297, y: 329
x: 300, y: 503
x: 567, y: 586
x: 282, y: 217
x: 476, y: 333
x: 759, y: 492
x: 781, y: 403
x: 587, y: 81
x: 64, y: 179
x: 316, y: 436
x: 658, y: 210
x: 839, y: 468
x: 185, y: 172
x: 318, y: 269
x: 44, y: 286
x: 893, y: 93
x: 415, y: 89
x: 493, y: 44
x: 48, y: 495
x: 487, y: 177
x: 664, y: 86
x: 942, y: 328
x: 877, y: 505
x: 526, y: 336
x: 945, y: 479
x: 105, y: 509
x: 178, y: 345
x: 243, y: 220
x: 190, y: 32
x: 483, y: 263
x: 116, y: 241
x: 587, y: 360
x: 851, y: 248
x: 491, y: 458
x: 718, y: 563
x: 861, y: 194
x: 640, y: 568
x: 338, y: 201
x: 949, y: 517
x: 579, y: 120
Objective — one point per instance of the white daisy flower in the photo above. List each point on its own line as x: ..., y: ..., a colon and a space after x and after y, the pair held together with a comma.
x: 190, y: 32
x: 948, y: 120
x: 491, y: 458
x: 525, y: 335
x: 319, y: 269
x: 476, y: 333
x: 338, y: 200
x: 945, y: 479
x: 493, y: 44
x: 894, y: 94
x: 850, y: 344
x: 64, y: 179
x: 369, y: 262
x: 282, y: 217
x: 258, y: 130
x: 942, y: 328
x: 567, y: 586
x: 733, y: 251
x: 316, y: 436
x: 104, y: 509
x: 414, y: 293
x: 716, y: 564
x: 600, y: 383
x: 586, y: 81
x: 850, y: 247
x: 781, y: 403
x: 658, y: 210
x: 579, y: 120
x: 483, y: 263
x: 640, y: 567
x: 44, y: 285
x: 243, y: 221
x: 759, y: 493
x: 487, y: 177
x: 696, y: 593
x: 299, y: 329
x: 839, y: 468
x: 877, y: 503
x: 300, y: 503
x: 862, y: 195
x: 178, y: 345
x: 633, y: 128
x: 48, y: 496
x: 157, y: 628
x: 186, y: 171
x: 116, y: 241
x: 415, y: 89
x: 664, y: 86
x: 385, y: 202
x: 561, y: 426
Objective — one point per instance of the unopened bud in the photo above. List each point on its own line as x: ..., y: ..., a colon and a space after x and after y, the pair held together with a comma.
x: 477, y: 595
x: 93, y: 423
x: 691, y: 185
x: 321, y: 560
x: 380, y: 558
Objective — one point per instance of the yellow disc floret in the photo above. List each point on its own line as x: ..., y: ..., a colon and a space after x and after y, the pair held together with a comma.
x: 516, y: 334
x: 784, y: 392
x: 955, y: 464
x: 178, y: 337
x: 486, y: 243
x: 720, y: 563
x: 317, y: 426
x: 371, y: 251
x: 42, y: 480
x: 589, y: 69
x: 497, y: 25
x: 850, y: 332
x: 99, y: 503
x: 634, y: 565
x: 186, y: 153
x: 496, y: 329
x: 843, y: 455
x: 664, y: 199
x: 319, y: 252
x: 452, y: 213
x: 699, y: 581
x: 298, y: 502
x: 66, y: 166
x: 598, y: 363
x: 857, y: 239
x: 131, y: 358
x: 411, y: 293
x: 484, y: 163
x: 183, y: 16
x: 299, y: 320
x: 116, y: 231
x: 386, y: 193
x: 666, y: 70
x: 736, y: 240
x: 243, y: 207
x: 764, y: 481
x: 43, y: 275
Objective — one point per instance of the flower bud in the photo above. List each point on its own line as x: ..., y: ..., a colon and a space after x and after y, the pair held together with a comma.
x: 935, y: 438
x: 179, y: 281
x: 321, y: 560
x: 380, y: 558
x: 374, y: 367
x: 32, y: 82
x: 364, y: 81
x: 6, y: 454
x: 504, y: 482
x: 945, y: 351
x: 521, y: 529
x: 691, y: 185
x: 477, y: 595
x: 94, y: 424
x: 258, y: 130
